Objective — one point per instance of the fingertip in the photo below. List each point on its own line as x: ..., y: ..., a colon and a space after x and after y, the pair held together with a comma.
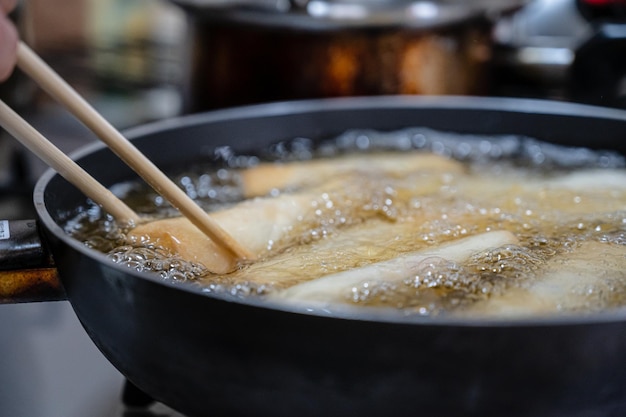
x: 8, y: 5
x: 8, y: 47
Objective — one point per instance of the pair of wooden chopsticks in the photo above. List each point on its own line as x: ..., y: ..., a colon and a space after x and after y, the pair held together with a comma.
x: 29, y: 62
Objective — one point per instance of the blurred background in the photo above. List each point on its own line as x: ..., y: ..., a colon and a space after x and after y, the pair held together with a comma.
x: 143, y: 60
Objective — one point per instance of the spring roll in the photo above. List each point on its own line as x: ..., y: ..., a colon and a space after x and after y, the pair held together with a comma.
x: 583, y: 279
x: 265, y: 177
x: 256, y: 224
x: 337, y: 287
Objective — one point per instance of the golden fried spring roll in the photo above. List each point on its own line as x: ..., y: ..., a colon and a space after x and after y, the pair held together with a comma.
x: 256, y: 224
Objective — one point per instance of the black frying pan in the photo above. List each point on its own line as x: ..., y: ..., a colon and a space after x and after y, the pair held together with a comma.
x: 215, y: 355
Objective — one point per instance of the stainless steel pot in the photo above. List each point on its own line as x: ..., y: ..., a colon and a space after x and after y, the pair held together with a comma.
x: 257, y: 51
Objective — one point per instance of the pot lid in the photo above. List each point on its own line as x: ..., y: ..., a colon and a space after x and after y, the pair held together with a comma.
x: 334, y: 14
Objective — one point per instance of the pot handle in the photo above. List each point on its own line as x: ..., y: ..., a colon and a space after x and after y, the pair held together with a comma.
x: 27, y: 271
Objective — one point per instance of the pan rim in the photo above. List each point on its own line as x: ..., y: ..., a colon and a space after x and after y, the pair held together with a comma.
x: 504, y: 104
x: 388, y: 316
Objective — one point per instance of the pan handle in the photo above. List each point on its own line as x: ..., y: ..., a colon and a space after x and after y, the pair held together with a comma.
x: 27, y: 271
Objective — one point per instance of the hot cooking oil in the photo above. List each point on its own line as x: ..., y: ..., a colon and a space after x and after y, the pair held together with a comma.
x: 566, y: 207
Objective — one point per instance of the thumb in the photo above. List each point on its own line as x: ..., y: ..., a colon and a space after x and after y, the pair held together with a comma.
x: 7, y: 5
x: 8, y: 47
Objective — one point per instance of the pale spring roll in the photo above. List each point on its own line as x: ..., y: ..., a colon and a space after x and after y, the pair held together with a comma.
x: 569, y: 281
x: 263, y: 178
x: 337, y: 287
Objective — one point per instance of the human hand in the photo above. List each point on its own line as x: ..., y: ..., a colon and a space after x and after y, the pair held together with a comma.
x: 8, y: 39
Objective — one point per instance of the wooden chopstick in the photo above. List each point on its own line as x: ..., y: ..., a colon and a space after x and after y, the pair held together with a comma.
x: 29, y: 62
x: 68, y: 169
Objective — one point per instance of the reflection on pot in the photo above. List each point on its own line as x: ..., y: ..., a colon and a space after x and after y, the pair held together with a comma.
x: 236, y: 65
